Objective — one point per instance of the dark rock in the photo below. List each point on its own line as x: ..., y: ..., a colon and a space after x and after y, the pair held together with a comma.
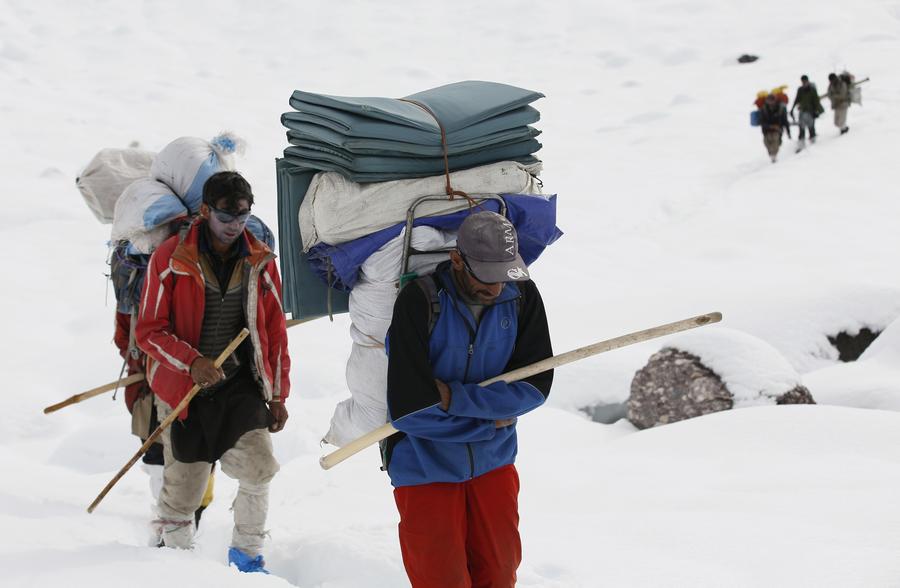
x: 798, y: 395
x: 746, y: 58
x: 675, y: 385
x: 850, y: 347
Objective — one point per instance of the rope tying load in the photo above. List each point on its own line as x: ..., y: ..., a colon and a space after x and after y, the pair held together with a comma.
x: 448, y: 188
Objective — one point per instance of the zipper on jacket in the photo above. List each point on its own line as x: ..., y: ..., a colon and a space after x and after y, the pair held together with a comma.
x: 469, y: 354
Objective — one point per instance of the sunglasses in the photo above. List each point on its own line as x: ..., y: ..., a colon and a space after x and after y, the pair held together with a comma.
x: 228, y: 217
x: 472, y: 273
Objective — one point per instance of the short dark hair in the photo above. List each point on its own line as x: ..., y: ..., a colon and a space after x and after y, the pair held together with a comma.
x: 832, y: 76
x: 804, y: 78
x: 229, y: 185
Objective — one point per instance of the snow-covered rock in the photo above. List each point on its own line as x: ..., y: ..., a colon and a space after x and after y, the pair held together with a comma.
x: 710, y: 371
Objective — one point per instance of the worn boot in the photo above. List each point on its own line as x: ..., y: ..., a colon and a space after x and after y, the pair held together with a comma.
x: 245, y: 563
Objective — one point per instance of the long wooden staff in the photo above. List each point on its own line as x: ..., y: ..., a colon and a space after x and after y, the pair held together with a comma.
x: 75, y: 399
x: 168, y: 420
x: 385, y: 431
x: 94, y: 392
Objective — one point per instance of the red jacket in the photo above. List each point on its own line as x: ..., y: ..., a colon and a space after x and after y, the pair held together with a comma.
x: 171, y: 316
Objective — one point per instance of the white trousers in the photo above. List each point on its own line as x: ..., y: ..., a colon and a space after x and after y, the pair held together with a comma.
x: 250, y: 462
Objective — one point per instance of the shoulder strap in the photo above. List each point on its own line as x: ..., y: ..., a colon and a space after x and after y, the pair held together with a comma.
x: 183, y: 230
x: 132, y: 341
x: 429, y: 286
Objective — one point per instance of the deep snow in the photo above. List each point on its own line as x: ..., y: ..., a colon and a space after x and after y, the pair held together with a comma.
x: 670, y: 208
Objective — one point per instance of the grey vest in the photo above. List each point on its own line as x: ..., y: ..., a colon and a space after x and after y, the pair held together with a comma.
x: 223, y: 317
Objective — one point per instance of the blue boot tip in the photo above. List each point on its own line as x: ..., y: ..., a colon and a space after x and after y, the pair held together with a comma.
x: 245, y: 563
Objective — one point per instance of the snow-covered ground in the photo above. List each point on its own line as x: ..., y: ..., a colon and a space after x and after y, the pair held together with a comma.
x: 670, y: 206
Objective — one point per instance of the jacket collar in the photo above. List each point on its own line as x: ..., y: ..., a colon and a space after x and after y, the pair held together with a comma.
x: 186, y: 256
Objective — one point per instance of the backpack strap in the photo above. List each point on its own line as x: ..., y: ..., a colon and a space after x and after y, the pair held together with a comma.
x: 132, y: 341
x: 431, y: 289
x: 429, y: 286
x: 183, y: 230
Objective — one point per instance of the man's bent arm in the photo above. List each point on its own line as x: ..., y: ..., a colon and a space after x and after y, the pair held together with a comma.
x: 412, y: 395
x: 501, y: 400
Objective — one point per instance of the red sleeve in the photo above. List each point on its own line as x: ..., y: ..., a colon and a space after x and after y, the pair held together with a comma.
x: 276, y: 330
x: 122, y: 334
x: 153, y: 330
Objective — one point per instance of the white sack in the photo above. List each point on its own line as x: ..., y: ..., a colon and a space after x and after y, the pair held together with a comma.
x: 372, y: 298
x: 371, y: 308
x: 336, y: 210
x: 108, y: 174
x: 366, y: 409
x: 143, y: 214
x: 187, y: 162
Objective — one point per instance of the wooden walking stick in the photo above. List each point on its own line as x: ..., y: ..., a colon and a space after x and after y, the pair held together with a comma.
x: 75, y: 399
x: 385, y: 431
x: 94, y: 392
x: 168, y: 420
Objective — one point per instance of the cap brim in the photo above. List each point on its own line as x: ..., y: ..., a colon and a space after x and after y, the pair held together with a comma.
x: 492, y: 272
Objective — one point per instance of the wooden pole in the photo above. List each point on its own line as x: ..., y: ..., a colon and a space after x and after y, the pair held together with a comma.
x: 386, y: 430
x: 75, y: 399
x: 167, y: 421
x: 94, y: 392
x: 295, y: 322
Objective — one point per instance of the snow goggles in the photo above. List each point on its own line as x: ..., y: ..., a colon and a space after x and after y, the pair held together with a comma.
x: 229, y: 217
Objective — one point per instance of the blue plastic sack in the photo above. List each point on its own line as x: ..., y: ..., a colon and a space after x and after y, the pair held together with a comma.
x: 261, y: 231
x: 534, y: 218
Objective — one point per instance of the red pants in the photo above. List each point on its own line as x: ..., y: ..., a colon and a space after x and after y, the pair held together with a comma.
x: 455, y: 535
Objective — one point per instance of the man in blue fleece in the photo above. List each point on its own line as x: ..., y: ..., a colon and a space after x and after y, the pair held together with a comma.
x: 452, y: 462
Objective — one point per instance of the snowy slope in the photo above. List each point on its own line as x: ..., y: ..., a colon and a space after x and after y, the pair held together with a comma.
x: 670, y: 208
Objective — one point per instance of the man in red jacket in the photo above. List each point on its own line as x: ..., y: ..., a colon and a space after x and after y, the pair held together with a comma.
x: 202, y: 287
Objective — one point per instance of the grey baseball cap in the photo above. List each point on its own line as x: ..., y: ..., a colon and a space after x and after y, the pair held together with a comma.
x: 490, y: 246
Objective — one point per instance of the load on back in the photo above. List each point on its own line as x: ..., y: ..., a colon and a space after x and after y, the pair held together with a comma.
x: 147, y: 197
x: 371, y: 193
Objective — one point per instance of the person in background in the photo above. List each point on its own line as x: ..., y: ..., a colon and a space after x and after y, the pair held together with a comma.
x: 808, y: 103
x: 839, y: 95
x: 774, y: 122
x: 452, y: 462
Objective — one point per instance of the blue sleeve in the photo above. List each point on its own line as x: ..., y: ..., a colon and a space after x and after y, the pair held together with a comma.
x: 496, y: 401
x: 434, y: 424
x: 502, y: 400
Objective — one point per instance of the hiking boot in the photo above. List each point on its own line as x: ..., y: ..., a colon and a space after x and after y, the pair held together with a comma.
x: 774, y: 157
x: 800, y: 146
x: 844, y: 130
x: 812, y: 139
x: 245, y: 563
